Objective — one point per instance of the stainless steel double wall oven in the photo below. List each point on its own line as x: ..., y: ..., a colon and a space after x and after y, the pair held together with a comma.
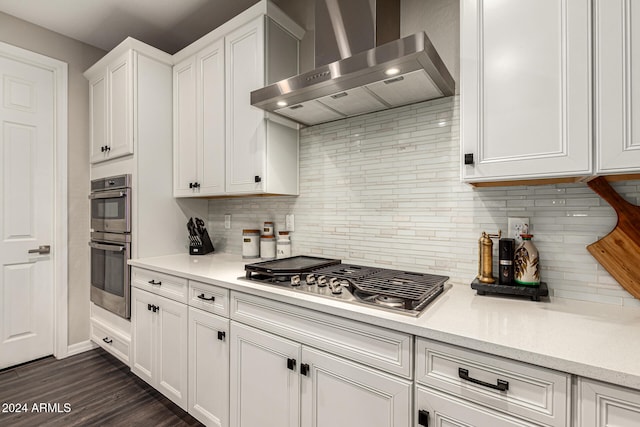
x: 111, y: 243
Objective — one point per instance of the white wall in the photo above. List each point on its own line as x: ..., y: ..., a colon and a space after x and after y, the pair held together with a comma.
x: 384, y: 189
x: 79, y: 56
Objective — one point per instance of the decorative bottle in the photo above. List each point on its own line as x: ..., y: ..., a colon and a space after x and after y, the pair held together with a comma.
x: 526, y: 267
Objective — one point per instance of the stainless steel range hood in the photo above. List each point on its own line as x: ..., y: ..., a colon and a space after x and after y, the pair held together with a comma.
x: 399, y: 72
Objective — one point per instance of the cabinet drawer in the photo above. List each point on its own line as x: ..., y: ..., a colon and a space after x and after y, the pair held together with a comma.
x: 165, y: 285
x: 209, y: 298
x: 373, y: 346
x: 444, y: 410
x: 111, y: 340
x: 532, y: 392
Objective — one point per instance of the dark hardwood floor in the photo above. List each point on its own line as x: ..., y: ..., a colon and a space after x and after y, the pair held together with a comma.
x: 88, y: 389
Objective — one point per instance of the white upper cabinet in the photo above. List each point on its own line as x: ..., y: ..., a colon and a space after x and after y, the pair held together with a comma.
x: 199, y: 127
x: 617, y: 86
x: 223, y: 145
x: 111, y: 95
x: 525, y: 89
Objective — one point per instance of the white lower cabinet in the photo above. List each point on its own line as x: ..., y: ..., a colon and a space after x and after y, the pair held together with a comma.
x: 208, y: 368
x: 339, y: 392
x: 159, y: 344
x: 487, y: 390
x: 279, y: 382
x: 607, y: 405
x: 438, y: 409
x: 265, y: 383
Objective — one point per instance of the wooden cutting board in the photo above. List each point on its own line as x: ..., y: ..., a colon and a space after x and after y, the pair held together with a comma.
x: 619, y: 251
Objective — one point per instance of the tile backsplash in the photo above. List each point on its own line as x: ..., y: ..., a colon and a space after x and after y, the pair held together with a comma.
x: 384, y: 189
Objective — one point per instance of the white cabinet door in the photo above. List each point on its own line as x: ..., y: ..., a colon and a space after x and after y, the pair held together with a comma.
x: 525, y: 92
x: 185, y: 139
x: 265, y: 383
x: 98, y: 114
x: 171, y: 350
x: 437, y: 409
x: 617, y: 86
x: 159, y: 344
x: 120, y: 97
x: 211, y: 120
x: 607, y: 405
x: 143, y: 340
x: 112, y: 99
x: 208, y: 368
x: 199, y: 123
x: 245, y: 125
x: 337, y: 392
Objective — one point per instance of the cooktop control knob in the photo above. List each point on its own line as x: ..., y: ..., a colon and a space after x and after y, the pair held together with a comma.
x: 295, y: 280
x: 322, y: 281
x: 311, y: 279
x: 335, y: 286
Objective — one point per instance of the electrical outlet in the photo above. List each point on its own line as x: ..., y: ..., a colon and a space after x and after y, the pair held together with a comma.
x: 289, y: 222
x: 227, y: 221
x: 518, y: 226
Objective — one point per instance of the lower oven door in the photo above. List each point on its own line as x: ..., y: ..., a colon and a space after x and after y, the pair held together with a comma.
x: 110, y: 273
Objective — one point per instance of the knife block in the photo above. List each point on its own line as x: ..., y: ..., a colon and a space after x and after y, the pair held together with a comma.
x: 203, y: 247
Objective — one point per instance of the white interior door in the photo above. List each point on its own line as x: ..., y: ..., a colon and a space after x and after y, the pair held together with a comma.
x: 27, y: 118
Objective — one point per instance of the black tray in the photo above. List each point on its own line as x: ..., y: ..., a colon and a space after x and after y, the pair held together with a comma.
x: 289, y: 266
x: 533, y: 292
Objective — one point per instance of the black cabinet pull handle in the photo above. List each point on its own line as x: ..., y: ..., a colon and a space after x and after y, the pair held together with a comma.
x: 221, y: 335
x: 501, y: 384
x: 304, y: 369
x: 291, y: 364
x: 191, y: 185
x: 107, y: 340
x: 153, y: 282
x: 423, y: 418
x: 149, y: 307
x: 211, y: 298
x: 257, y: 178
x: 107, y: 148
x: 196, y: 185
x: 102, y: 148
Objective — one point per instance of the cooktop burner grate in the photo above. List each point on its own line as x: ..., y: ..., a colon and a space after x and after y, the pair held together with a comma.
x: 390, y: 283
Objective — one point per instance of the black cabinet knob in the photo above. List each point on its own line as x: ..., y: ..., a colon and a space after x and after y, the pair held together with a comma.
x: 102, y: 148
x: 423, y: 418
x: 258, y: 178
x: 291, y: 364
x: 468, y: 158
x: 304, y: 369
x: 107, y: 340
x: 221, y: 335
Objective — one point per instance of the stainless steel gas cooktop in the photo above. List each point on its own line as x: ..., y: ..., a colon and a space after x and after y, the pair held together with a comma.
x: 393, y: 290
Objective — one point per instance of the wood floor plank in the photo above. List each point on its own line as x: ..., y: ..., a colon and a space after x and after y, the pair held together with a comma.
x: 97, y: 388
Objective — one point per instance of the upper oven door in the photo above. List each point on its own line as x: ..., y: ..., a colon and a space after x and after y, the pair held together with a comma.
x: 110, y: 211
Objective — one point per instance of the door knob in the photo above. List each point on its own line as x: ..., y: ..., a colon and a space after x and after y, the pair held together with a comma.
x: 42, y: 250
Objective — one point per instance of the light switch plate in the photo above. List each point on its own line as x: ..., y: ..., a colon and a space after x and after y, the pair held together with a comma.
x: 289, y: 222
x: 518, y: 226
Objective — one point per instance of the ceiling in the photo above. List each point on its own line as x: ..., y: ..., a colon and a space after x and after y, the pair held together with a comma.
x: 168, y: 25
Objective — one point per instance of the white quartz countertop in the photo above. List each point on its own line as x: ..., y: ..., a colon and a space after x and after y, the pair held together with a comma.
x: 588, y: 339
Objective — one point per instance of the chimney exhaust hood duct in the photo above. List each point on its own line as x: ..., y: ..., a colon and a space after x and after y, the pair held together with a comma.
x: 361, y: 66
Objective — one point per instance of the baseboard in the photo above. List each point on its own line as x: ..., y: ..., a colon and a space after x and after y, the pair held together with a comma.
x: 81, y: 347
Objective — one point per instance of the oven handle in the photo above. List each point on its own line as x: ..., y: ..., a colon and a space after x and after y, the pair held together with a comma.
x: 106, y: 247
x: 108, y: 194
